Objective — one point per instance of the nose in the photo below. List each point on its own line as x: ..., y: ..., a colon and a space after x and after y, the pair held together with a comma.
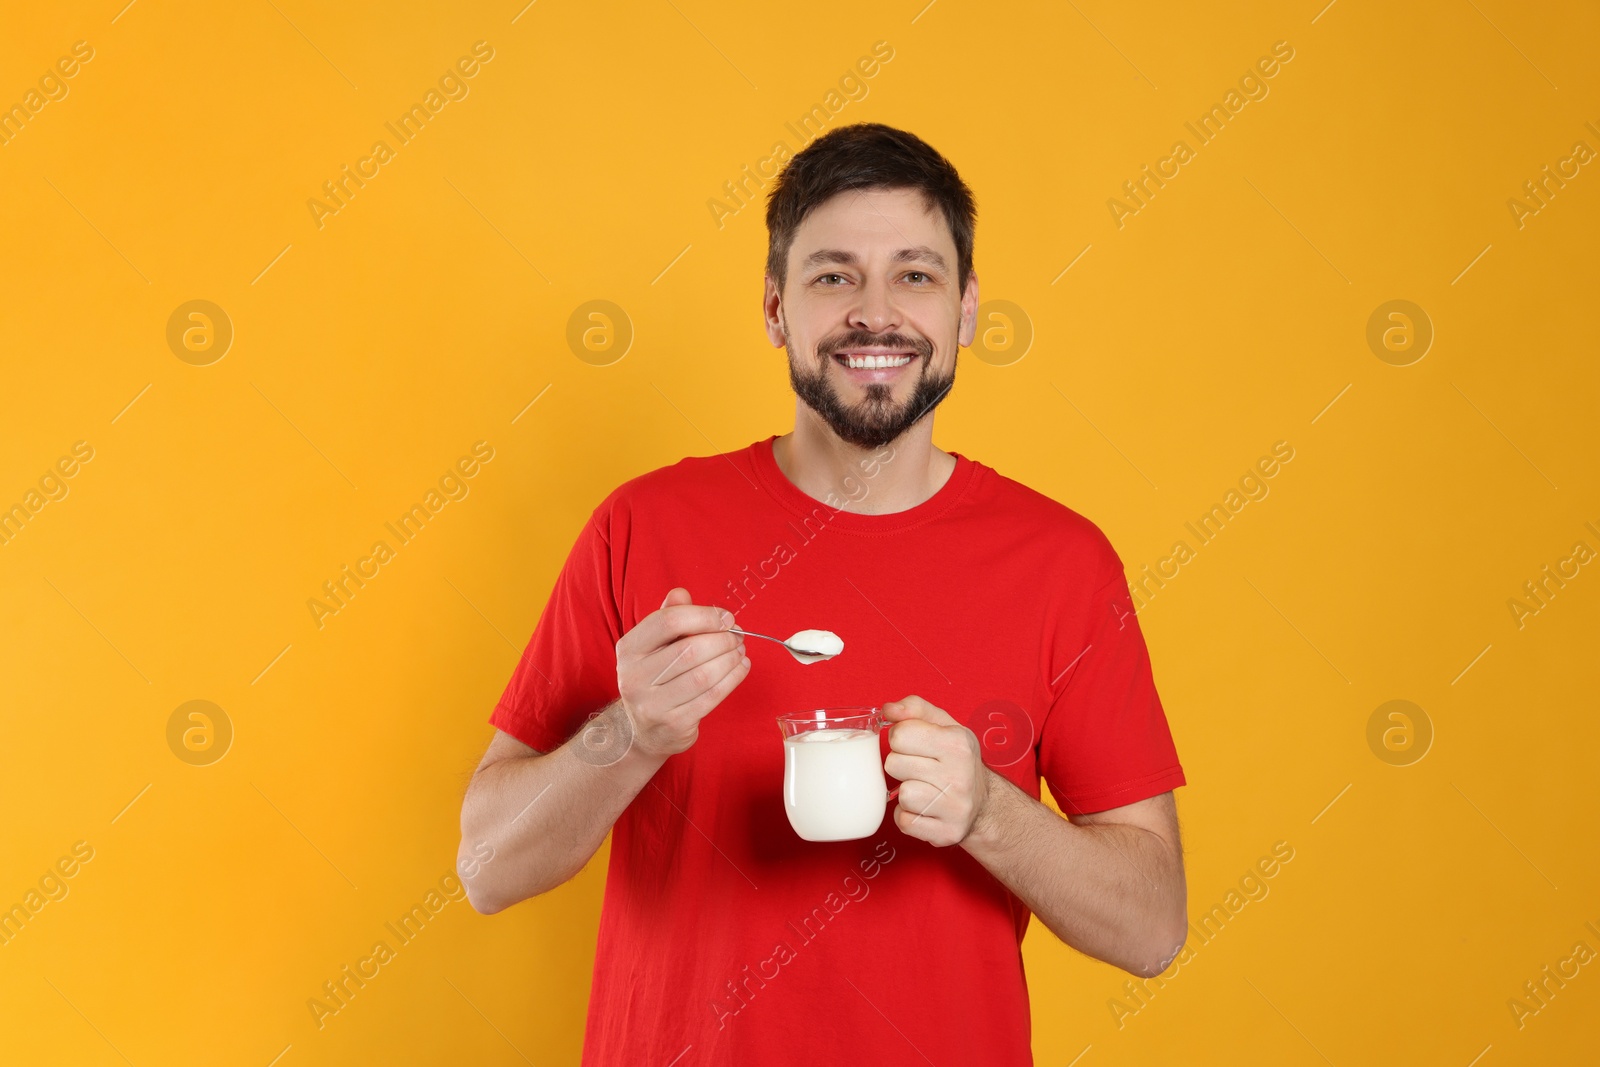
x: 875, y: 310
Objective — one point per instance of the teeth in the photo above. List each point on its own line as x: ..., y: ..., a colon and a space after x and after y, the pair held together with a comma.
x: 876, y: 362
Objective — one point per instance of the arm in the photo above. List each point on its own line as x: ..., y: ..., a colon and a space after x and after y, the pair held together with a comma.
x: 1109, y: 884
x: 531, y: 820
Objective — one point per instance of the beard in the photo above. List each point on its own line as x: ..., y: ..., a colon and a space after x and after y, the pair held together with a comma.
x: 876, y: 419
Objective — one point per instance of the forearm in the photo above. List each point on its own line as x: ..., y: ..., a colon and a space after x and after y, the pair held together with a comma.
x: 1113, y: 892
x: 530, y: 824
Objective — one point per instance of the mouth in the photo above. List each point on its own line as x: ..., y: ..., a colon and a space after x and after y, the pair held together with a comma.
x: 874, y: 365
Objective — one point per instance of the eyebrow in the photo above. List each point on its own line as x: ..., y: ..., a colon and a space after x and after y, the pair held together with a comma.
x: 919, y: 254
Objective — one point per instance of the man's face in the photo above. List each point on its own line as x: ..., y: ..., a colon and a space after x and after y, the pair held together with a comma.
x: 872, y: 282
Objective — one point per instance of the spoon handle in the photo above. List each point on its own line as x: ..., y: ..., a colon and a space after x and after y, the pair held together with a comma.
x: 779, y: 640
x: 764, y: 637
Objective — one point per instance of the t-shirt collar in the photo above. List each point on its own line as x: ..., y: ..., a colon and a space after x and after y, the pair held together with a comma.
x: 792, y: 499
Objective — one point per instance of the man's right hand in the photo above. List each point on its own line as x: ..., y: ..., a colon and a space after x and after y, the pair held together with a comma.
x: 677, y: 664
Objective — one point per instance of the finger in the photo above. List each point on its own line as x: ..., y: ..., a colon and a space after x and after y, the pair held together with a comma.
x: 685, y: 654
x: 677, y: 595
x: 914, y: 707
x: 908, y: 768
x: 930, y: 828
x: 917, y: 737
x: 665, y: 625
x: 926, y: 799
x: 693, y: 683
x: 702, y: 705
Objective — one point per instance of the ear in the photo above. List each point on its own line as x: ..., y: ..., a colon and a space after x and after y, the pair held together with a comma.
x: 969, y: 312
x: 772, y: 312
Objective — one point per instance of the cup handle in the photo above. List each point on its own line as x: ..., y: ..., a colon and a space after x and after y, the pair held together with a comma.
x: 884, y: 723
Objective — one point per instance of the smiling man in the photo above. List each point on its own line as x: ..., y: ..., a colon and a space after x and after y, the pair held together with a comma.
x: 991, y: 624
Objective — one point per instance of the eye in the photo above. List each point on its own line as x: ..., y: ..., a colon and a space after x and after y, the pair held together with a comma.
x: 918, y: 274
x: 825, y: 277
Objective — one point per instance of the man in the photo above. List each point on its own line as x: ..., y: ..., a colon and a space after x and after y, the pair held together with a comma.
x: 1000, y: 620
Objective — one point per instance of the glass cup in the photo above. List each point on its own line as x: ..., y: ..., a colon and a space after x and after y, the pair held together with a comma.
x: 834, y: 788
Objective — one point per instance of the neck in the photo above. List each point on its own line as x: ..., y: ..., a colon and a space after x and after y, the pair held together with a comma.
x: 870, y: 481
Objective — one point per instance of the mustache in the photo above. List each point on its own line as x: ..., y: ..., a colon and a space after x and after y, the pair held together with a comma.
x: 861, y: 339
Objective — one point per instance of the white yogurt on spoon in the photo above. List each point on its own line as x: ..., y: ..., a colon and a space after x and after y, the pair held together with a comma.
x: 825, y: 642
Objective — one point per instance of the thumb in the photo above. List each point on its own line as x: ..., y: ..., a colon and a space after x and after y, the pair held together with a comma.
x: 676, y: 596
x: 910, y: 707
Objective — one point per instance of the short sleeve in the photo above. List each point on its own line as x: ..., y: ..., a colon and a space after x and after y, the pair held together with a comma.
x: 1105, y: 741
x: 569, y: 668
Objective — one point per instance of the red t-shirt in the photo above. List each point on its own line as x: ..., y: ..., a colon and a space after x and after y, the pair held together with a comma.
x: 724, y: 937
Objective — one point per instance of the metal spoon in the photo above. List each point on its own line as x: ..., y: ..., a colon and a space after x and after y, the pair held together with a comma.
x: 785, y: 644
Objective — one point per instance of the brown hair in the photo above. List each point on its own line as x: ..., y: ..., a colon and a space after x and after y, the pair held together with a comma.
x: 867, y: 155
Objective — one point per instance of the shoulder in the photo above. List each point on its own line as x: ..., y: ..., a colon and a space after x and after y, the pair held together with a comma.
x: 690, y: 482
x: 1054, y: 531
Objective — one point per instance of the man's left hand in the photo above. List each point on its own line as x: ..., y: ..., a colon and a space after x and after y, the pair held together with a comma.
x: 944, y: 785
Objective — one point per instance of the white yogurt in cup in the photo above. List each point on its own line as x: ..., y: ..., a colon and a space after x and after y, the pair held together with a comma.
x: 834, y: 788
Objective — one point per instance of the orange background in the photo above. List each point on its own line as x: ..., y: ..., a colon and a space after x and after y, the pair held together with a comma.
x: 371, y: 352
